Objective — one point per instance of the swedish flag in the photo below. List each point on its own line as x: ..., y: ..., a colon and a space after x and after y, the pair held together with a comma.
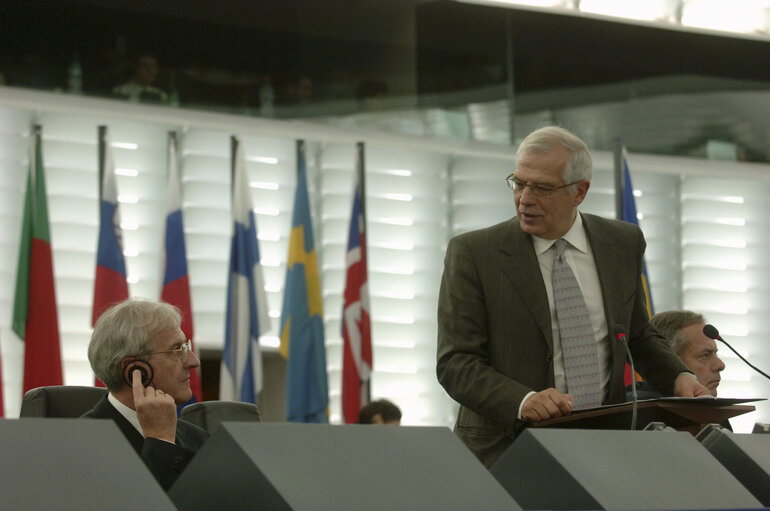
x: 302, y: 328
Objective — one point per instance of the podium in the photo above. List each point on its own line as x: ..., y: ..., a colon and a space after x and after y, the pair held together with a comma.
x: 747, y: 457
x: 74, y: 464
x: 318, y: 467
x: 683, y: 414
x: 618, y: 470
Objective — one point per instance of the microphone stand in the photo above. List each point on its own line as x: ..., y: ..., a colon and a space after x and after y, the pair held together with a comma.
x: 621, y: 337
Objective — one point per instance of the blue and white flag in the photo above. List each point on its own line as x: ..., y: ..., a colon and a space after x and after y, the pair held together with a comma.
x: 247, y: 313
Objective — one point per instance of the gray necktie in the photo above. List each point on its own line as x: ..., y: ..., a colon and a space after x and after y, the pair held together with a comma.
x: 578, y: 345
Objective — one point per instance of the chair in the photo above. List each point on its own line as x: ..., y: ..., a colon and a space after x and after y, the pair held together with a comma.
x: 208, y: 414
x: 60, y: 401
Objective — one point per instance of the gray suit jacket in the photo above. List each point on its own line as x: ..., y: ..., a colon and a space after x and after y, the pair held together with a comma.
x: 494, y: 326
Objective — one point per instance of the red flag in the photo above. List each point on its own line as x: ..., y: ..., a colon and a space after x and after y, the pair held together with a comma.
x: 34, y: 311
x: 176, y: 284
x: 356, y: 328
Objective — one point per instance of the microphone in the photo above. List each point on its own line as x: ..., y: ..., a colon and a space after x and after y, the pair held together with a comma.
x: 711, y: 332
x: 620, y: 335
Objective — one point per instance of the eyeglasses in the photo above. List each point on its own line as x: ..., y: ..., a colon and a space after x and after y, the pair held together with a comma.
x: 542, y: 191
x: 181, y: 350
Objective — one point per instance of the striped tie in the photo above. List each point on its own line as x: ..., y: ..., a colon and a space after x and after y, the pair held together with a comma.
x: 578, y: 345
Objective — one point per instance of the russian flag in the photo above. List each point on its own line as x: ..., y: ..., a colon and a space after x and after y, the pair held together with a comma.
x: 176, y: 284
x: 247, y: 313
x: 356, y: 327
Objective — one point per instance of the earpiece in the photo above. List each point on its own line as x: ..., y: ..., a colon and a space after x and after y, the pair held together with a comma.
x: 145, y: 370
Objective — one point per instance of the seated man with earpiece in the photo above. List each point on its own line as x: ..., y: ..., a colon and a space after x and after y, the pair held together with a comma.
x: 140, y: 353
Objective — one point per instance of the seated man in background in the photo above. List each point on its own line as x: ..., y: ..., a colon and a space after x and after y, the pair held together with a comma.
x: 684, y: 332
x: 140, y: 353
x: 381, y: 411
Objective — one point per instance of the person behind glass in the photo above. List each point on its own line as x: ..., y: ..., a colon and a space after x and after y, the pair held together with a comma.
x: 140, y: 340
x: 500, y: 337
x: 380, y: 411
x: 141, y: 86
x: 684, y: 331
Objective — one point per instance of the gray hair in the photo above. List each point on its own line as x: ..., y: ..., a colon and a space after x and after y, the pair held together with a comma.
x: 670, y: 324
x: 579, y: 166
x: 127, y: 330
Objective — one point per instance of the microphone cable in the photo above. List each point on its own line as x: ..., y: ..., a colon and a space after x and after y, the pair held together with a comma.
x: 711, y: 332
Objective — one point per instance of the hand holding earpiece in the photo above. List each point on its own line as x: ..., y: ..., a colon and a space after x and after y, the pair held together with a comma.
x: 155, y: 410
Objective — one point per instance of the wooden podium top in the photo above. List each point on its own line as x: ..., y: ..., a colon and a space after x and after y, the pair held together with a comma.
x: 686, y: 414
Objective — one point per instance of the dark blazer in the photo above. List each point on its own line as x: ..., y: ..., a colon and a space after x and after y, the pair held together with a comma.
x: 164, y: 459
x: 494, y: 326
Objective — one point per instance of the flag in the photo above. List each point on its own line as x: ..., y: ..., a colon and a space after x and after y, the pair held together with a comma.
x: 247, y: 314
x: 302, y: 328
x: 176, y: 284
x: 110, y: 284
x: 629, y: 215
x: 356, y: 328
x: 35, y: 320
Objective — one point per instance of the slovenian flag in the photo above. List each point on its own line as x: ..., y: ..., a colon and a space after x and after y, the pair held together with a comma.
x: 110, y: 284
x: 247, y: 312
x: 302, y: 326
x: 356, y: 327
x: 176, y: 284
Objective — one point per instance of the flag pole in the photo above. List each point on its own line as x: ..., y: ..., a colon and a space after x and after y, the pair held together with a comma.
x: 102, y: 130
x: 617, y: 152
x: 361, y: 179
x: 300, y: 153
x: 233, y: 151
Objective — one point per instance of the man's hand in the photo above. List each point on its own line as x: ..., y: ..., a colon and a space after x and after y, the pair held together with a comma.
x: 155, y: 409
x: 687, y: 386
x: 546, y: 404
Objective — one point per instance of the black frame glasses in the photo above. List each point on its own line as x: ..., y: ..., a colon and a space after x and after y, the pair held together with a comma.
x: 542, y: 191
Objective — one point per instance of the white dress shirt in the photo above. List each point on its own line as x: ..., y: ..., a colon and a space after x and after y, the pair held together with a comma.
x: 580, y: 258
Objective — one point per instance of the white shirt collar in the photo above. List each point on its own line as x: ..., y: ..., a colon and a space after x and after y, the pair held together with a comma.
x: 576, y: 236
x: 128, y: 413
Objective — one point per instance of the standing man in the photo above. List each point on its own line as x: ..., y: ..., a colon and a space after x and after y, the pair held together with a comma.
x: 528, y: 308
x: 140, y: 353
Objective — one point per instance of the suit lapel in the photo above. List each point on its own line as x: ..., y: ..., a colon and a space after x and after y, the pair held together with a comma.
x: 606, y: 255
x: 519, y: 263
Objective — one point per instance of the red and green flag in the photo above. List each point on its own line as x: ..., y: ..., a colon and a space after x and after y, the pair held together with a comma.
x: 34, y: 311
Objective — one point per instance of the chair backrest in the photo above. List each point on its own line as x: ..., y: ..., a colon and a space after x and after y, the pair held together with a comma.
x: 208, y: 414
x: 60, y: 401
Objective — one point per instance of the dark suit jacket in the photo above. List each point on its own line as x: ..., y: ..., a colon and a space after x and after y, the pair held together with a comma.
x: 494, y: 326
x: 164, y: 459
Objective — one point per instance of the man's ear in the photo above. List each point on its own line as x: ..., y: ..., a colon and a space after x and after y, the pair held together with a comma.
x: 131, y: 364
x: 581, y: 190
